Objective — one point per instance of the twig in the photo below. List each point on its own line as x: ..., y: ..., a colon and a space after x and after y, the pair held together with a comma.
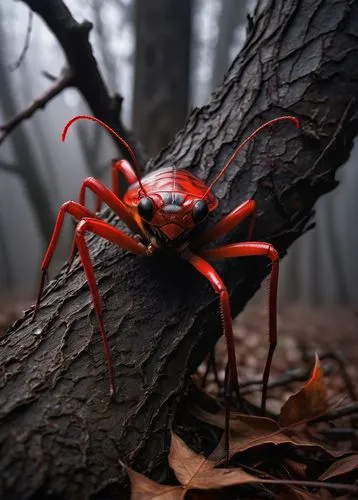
x: 65, y: 80
x: 15, y: 65
x: 49, y: 75
x: 297, y: 375
x: 338, y: 413
x: 340, y: 433
x: 9, y: 167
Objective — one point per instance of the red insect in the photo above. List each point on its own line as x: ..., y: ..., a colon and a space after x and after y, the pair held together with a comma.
x: 162, y: 209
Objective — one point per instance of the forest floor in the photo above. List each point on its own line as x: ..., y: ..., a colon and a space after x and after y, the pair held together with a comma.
x: 282, y: 460
x: 302, y: 331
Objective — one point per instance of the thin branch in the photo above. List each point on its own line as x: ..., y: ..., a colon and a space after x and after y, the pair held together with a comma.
x: 344, y: 411
x: 74, y: 40
x: 65, y: 80
x: 16, y: 64
x: 343, y: 434
x: 10, y: 168
x: 298, y: 375
x: 49, y: 75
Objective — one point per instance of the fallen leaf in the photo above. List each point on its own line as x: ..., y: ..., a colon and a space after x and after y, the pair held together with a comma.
x: 197, y: 472
x: 247, y: 431
x: 144, y: 488
x: 184, y: 461
x: 309, y: 402
x: 340, y: 467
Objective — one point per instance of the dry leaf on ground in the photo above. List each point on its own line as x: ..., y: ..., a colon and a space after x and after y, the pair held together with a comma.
x: 247, y: 431
x: 143, y: 488
x: 197, y: 472
x: 340, y: 467
x: 309, y: 402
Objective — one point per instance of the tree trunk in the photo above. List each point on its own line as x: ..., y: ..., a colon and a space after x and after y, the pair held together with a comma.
x: 162, y: 64
x: 60, y: 435
x: 232, y: 15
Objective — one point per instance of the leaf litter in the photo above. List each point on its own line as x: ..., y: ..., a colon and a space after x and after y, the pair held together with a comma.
x: 283, y: 454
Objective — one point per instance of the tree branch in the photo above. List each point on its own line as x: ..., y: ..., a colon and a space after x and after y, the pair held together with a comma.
x: 64, y: 81
x: 59, y: 434
x: 15, y: 65
x: 10, y: 168
x: 73, y: 38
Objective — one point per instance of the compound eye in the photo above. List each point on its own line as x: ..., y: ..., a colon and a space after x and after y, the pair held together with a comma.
x: 200, y: 211
x: 146, y: 208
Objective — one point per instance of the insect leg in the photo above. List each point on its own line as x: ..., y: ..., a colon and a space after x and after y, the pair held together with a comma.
x: 78, y: 212
x: 125, y: 168
x: 114, y: 235
x: 219, y: 287
x: 256, y: 249
x: 112, y: 200
x: 227, y: 223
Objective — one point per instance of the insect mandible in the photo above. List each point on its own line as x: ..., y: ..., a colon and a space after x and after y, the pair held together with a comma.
x: 162, y: 209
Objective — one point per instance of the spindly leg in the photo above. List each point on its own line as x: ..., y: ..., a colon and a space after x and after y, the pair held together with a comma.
x: 256, y: 249
x: 125, y: 168
x: 216, y: 282
x: 231, y: 376
x: 114, y: 235
x: 106, y: 195
x: 111, y: 199
x: 78, y: 212
x: 227, y: 223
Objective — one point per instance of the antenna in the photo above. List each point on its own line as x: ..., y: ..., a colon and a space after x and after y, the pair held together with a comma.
x: 107, y: 127
x: 235, y: 153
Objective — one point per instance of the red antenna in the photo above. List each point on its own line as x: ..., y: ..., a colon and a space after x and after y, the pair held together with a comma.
x: 107, y: 127
x: 235, y: 153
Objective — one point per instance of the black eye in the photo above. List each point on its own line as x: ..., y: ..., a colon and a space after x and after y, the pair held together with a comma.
x: 146, y: 208
x: 200, y: 211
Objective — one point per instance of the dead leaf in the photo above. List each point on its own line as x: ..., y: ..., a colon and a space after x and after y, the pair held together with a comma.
x: 309, y: 402
x: 340, y: 467
x: 197, y: 472
x: 247, y: 431
x: 144, y: 488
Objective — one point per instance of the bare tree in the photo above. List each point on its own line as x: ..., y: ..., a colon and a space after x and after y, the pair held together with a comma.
x: 162, y: 68
x: 24, y: 166
x: 233, y: 14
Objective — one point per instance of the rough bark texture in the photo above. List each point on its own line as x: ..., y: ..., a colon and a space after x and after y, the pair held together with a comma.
x: 60, y: 436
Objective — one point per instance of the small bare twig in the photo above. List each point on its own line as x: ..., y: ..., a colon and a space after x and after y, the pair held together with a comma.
x: 64, y: 80
x: 338, y: 413
x: 15, y: 65
x: 343, y: 434
x: 297, y: 375
x: 49, y: 75
x: 9, y: 167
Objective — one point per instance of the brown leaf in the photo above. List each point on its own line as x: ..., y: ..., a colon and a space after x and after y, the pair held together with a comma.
x: 146, y: 489
x: 197, y: 472
x: 247, y: 432
x: 309, y: 402
x: 340, y: 467
x: 184, y: 461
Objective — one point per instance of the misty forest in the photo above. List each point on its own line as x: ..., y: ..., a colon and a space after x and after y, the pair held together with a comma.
x: 178, y: 249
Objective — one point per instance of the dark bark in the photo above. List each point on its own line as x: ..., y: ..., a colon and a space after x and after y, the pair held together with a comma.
x: 60, y: 436
x: 162, y: 64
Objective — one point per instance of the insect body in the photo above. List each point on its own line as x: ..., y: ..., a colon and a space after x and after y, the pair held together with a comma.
x: 174, y: 205
x: 162, y: 209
